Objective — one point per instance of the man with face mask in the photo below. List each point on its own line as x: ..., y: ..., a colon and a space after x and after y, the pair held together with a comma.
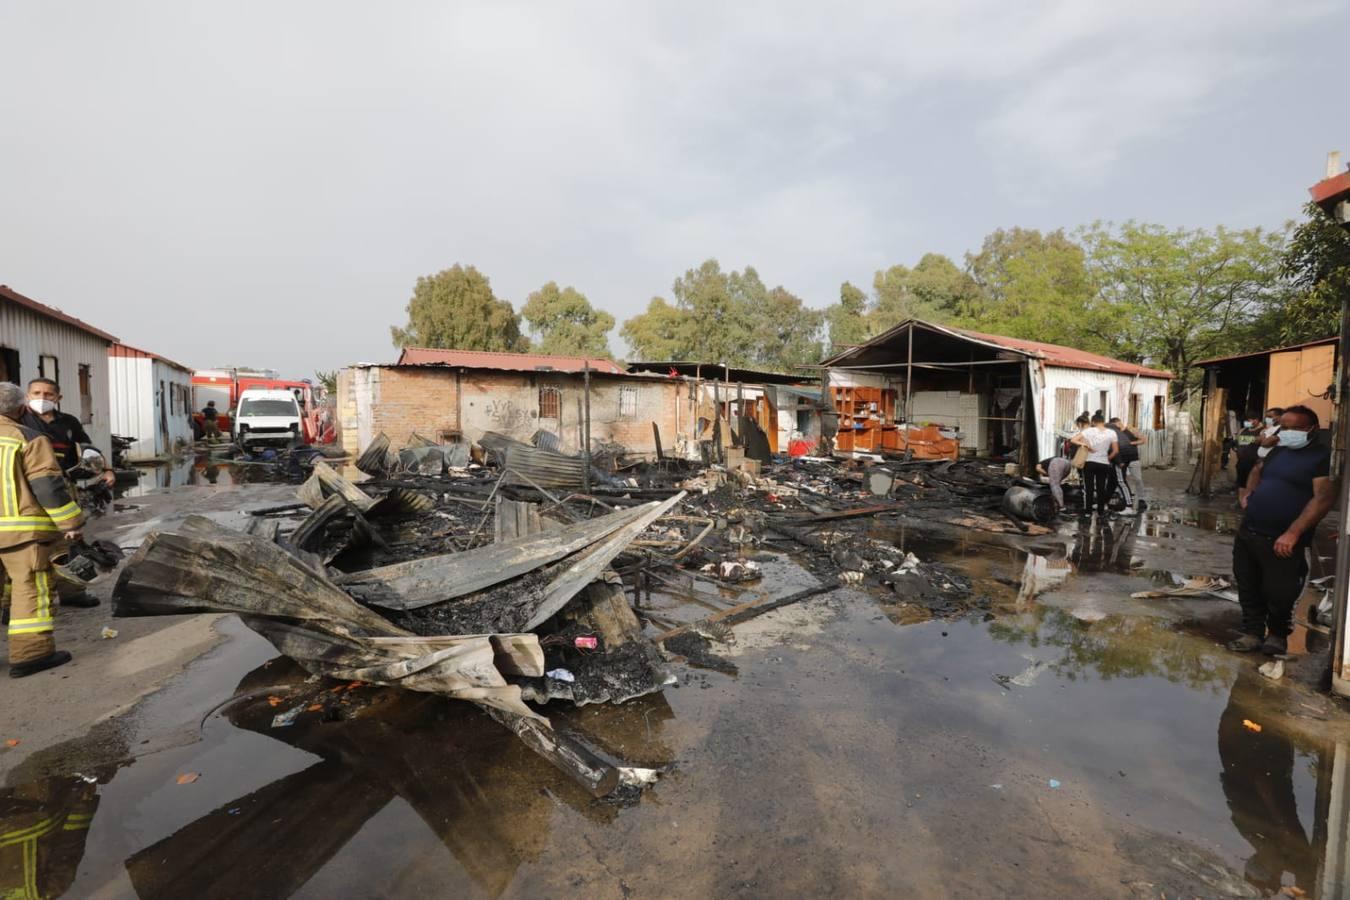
x: 67, y: 436
x: 66, y: 432
x: 1288, y: 493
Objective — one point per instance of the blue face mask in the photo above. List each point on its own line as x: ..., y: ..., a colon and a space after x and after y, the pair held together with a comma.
x: 1294, y: 440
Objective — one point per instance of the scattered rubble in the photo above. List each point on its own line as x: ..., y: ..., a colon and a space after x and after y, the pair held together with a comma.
x: 500, y: 573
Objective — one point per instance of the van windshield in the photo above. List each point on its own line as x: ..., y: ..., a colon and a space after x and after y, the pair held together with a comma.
x: 268, y: 408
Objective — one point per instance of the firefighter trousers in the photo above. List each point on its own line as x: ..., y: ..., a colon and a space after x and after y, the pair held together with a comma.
x: 31, y: 598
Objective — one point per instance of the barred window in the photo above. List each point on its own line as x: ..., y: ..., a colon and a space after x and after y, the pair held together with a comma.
x: 628, y: 403
x: 550, y: 403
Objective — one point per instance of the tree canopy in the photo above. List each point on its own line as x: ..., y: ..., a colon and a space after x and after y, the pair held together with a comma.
x: 730, y: 317
x: 847, y: 319
x: 1173, y: 296
x: 564, y: 322
x: 455, y: 308
x: 1316, y: 265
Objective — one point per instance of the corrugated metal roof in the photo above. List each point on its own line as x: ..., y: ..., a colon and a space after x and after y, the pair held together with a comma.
x: 9, y: 293
x: 1068, y: 357
x: 512, y: 362
x: 1050, y: 354
x: 1224, y: 359
x: 121, y: 349
x: 719, y: 371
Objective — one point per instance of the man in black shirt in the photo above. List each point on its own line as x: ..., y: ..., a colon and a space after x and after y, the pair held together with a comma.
x: 1288, y: 493
x: 67, y: 435
x: 66, y: 431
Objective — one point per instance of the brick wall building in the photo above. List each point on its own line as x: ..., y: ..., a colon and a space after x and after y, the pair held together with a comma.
x: 444, y: 402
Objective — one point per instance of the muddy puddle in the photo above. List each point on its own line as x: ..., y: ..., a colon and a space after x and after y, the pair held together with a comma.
x: 197, y: 470
x: 1032, y: 751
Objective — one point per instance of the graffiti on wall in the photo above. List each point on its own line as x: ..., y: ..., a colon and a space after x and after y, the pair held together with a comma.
x: 507, y: 416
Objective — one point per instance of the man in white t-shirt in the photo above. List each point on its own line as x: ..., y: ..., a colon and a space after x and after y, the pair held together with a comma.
x: 1098, y: 477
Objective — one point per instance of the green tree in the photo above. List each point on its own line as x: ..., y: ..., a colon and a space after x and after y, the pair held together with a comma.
x: 847, y: 319
x: 934, y: 290
x: 1316, y: 266
x: 730, y: 317
x: 327, y: 380
x: 1173, y: 296
x: 657, y: 334
x: 1030, y: 285
x: 564, y: 322
x: 718, y: 326
x: 455, y: 308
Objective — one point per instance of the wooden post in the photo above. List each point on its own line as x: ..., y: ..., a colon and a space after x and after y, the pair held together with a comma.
x: 586, y: 425
x: 1216, y: 412
x: 1340, y: 658
x: 656, y: 437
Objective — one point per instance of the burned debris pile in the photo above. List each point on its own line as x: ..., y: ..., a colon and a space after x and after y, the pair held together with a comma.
x: 501, y: 573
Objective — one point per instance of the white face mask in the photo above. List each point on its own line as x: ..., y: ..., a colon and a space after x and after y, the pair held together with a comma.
x: 41, y: 406
x: 1294, y: 440
x: 1269, y: 420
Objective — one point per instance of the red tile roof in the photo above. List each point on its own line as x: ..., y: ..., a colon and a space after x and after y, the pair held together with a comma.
x: 1067, y: 357
x: 512, y: 362
x: 9, y: 293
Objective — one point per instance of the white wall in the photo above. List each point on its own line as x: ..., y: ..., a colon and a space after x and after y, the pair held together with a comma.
x: 135, y: 390
x: 1118, y: 389
x: 953, y: 409
x: 129, y: 380
x: 179, y: 405
x: 33, y: 335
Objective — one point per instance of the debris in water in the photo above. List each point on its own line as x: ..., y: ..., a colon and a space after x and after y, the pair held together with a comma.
x: 1251, y: 726
x: 12, y: 742
x: 108, y: 633
x: 288, y: 717
x: 189, y: 777
x: 1274, y: 670
x: 561, y: 675
x: 1054, y: 783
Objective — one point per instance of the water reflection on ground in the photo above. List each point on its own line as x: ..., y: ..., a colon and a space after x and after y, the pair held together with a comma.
x: 1060, y: 748
x: 202, y: 469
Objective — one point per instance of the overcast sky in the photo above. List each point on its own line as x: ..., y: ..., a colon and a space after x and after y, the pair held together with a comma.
x: 262, y: 183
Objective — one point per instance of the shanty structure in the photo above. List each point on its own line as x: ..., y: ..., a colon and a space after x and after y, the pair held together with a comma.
x: 785, y: 407
x: 928, y: 388
x: 1250, y: 383
x: 40, y: 341
x: 448, y: 396
x: 151, y: 401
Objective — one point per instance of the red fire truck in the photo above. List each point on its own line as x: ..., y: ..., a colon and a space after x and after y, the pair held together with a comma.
x: 225, y: 385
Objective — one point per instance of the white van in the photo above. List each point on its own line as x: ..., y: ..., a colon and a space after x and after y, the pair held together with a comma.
x: 267, y: 416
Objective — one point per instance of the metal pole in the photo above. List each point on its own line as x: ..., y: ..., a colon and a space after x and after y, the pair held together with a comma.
x: 909, y: 392
x: 740, y: 412
x: 909, y: 377
x: 586, y: 425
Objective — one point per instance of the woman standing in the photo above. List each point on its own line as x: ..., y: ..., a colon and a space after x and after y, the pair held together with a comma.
x: 1098, y: 476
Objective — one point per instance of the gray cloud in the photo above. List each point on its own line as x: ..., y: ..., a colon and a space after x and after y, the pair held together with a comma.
x: 263, y: 183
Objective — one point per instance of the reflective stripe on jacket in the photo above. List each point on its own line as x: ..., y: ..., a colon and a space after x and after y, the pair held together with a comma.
x: 35, y: 500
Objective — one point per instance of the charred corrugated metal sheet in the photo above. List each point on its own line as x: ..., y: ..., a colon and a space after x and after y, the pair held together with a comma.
x: 532, y: 466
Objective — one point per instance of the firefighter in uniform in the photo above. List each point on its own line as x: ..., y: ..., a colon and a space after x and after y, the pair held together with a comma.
x: 36, y: 508
x: 68, y: 437
x: 43, y: 828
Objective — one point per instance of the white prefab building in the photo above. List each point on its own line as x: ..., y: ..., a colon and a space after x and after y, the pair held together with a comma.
x: 151, y: 401
x: 39, y: 341
x: 999, y: 396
